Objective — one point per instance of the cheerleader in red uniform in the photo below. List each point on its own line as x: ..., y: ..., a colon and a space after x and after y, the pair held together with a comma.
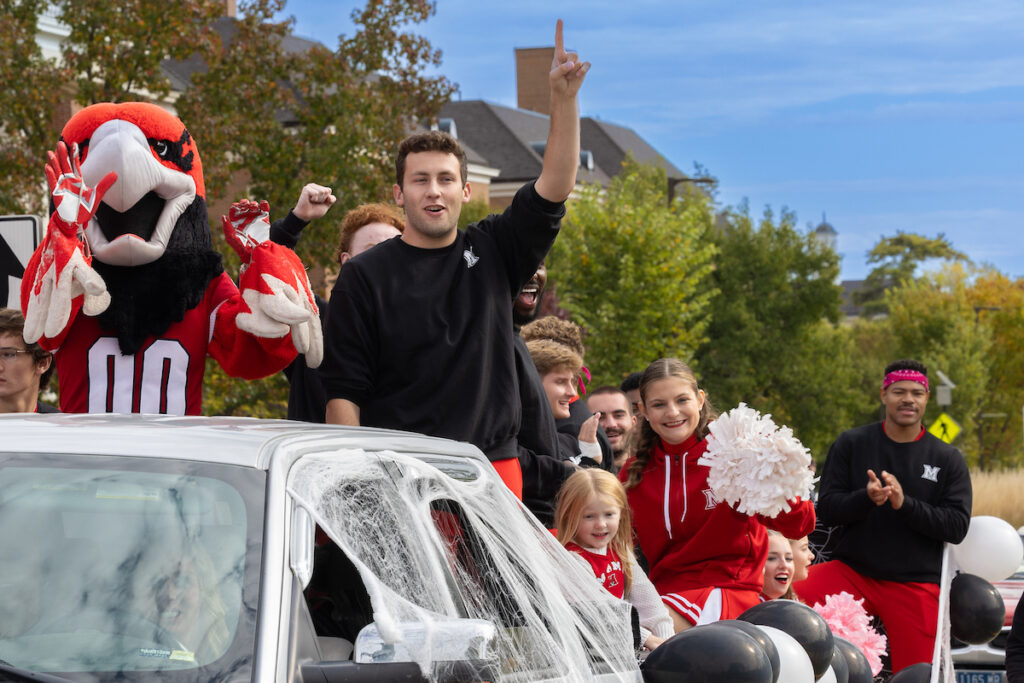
x: 706, y: 559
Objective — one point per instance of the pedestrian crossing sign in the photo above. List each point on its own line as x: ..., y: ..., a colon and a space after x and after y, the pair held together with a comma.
x: 945, y: 428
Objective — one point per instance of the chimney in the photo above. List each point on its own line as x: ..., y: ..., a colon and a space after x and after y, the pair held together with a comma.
x: 231, y: 8
x: 533, y: 65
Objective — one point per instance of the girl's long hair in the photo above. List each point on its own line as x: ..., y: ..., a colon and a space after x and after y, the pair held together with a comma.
x: 577, y: 492
x: 664, y: 368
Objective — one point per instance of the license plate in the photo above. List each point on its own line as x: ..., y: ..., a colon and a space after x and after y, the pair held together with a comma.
x: 980, y: 677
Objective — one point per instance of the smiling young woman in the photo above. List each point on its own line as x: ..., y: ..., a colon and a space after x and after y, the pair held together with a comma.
x: 706, y: 559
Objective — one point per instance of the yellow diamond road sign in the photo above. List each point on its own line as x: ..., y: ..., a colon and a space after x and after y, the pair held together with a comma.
x: 945, y: 428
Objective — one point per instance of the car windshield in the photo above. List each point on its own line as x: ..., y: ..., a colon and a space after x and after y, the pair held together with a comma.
x: 128, y: 566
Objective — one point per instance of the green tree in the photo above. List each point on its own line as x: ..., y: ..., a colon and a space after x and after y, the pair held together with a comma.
x: 933, y: 320
x: 28, y: 104
x: 969, y: 323
x: 770, y: 342
x: 896, y: 261
x: 284, y: 118
x: 635, y: 271
x: 473, y: 211
x: 112, y: 53
x: 998, y: 304
x: 115, y: 49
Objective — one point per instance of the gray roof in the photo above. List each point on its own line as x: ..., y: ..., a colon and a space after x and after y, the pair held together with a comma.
x: 610, y: 143
x: 505, y: 137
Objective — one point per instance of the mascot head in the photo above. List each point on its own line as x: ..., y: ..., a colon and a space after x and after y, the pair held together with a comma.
x: 159, y: 176
x: 150, y: 236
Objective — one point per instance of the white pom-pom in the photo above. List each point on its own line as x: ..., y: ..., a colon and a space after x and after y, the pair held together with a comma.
x: 756, y: 466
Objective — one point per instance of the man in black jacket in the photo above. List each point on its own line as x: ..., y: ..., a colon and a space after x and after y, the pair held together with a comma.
x: 897, y: 494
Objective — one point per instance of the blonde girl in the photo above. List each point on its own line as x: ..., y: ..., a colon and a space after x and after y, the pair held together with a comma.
x: 779, y: 570
x: 593, y: 522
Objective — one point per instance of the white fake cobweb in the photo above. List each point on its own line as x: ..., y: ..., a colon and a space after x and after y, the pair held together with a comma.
x: 756, y: 466
x: 432, y: 549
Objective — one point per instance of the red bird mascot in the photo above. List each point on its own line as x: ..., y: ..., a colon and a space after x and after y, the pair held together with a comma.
x: 127, y: 288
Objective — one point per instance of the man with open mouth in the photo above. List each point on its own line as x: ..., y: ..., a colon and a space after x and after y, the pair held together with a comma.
x: 426, y: 342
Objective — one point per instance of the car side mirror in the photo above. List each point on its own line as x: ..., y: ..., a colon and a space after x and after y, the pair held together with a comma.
x: 449, y: 649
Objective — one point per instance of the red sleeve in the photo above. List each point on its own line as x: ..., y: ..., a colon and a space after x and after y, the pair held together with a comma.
x: 796, y: 523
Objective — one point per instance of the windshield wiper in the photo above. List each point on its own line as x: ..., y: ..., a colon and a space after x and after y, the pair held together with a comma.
x: 25, y: 675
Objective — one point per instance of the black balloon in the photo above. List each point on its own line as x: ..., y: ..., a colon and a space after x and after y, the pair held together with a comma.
x: 766, y: 643
x: 708, y: 654
x: 800, y: 621
x: 976, y: 610
x: 857, y: 666
x: 839, y: 667
x: 917, y: 673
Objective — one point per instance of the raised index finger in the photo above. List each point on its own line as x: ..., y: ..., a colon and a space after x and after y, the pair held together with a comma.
x: 559, y: 46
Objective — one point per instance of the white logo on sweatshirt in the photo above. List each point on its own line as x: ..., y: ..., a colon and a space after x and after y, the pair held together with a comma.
x: 470, y: 257
x: 931, y: 473
x: 710, y: 499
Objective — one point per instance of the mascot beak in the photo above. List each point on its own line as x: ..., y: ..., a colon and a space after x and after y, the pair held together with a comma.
x: 139, y: 211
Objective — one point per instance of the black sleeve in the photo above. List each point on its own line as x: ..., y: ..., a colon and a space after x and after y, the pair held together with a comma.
x: 1015, y: 646
x: 543, y: 475
x: 568, y: 445
x: 841, y: 500
x: 607, y: 456
x: 537, y: 432
x: 524, y: 233
x: 349, y: 367
x: 948, y: 520
x: 286, y: 231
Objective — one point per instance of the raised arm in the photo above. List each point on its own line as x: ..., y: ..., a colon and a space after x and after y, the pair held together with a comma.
x: 562, y: 154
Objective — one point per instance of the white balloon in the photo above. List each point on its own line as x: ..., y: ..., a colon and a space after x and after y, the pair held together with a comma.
x: 828, y: 677
x: 794, y: 664
x: 992, y: 549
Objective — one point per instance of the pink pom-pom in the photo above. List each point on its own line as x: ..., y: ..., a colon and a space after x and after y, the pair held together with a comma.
x: 848, y: 619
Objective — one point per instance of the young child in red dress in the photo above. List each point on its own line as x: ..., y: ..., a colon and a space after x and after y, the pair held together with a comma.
x: 593, y: 521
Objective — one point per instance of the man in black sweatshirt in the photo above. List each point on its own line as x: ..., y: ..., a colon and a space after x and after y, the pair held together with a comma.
x: 427, y: 341
x: 897, y: 494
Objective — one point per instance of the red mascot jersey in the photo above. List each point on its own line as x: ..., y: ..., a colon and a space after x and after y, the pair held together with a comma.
x: 164, y: 377
x: 607, y: 568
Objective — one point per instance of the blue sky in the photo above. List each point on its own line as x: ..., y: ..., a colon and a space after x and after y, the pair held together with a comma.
x: 884, y: 116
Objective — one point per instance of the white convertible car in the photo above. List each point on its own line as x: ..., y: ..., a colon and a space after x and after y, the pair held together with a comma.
x: 217, y: 549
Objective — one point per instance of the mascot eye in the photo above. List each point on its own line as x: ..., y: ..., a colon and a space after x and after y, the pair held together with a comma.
x: 174, y: 150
